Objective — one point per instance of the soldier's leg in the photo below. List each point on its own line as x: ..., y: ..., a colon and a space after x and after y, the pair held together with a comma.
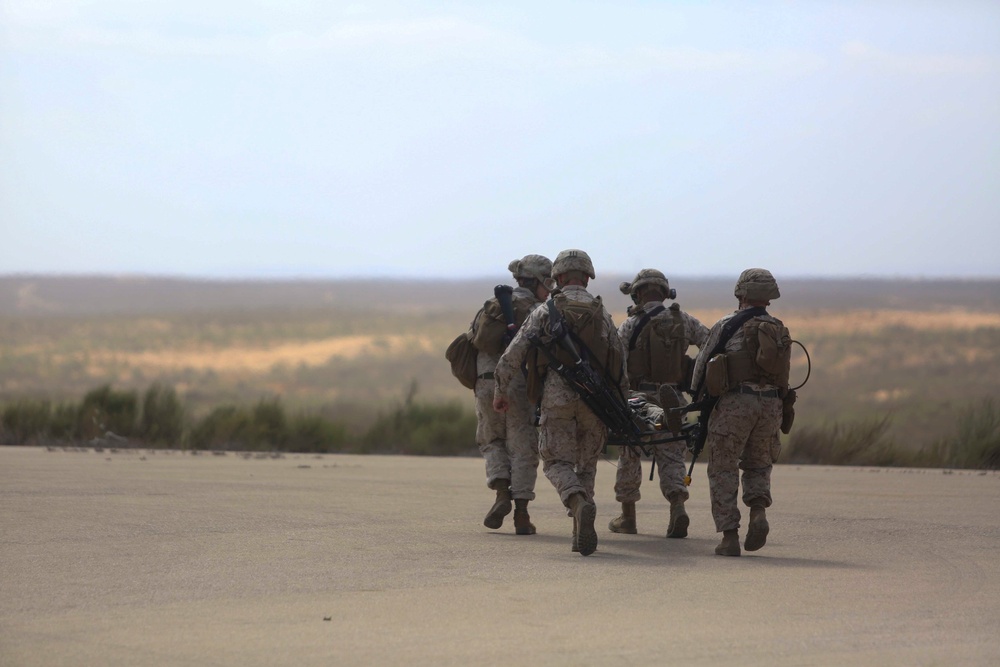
x: 726, y: 437
x: 557, y: 448
x: 670, y: 464
x: 628, y: 477
x: 491, y: 435
x: 522, y: 446
x: 591, y: 434
x: 761, y: 450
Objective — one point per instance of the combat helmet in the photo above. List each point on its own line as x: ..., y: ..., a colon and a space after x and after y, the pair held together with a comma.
x: 573, y: 260
x: 538, y: 267
x: 648, y: 277
x: 756, y: 285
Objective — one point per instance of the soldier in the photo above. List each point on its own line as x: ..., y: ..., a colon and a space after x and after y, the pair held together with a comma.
x: 571, y: 436
x: 656, y: 339
x: 746, y: 364
x: 508, y: 443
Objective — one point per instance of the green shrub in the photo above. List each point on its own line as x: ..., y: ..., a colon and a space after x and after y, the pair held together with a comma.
x: 854, y: 443
x: 25, y: 421
x: 63, y: 422
x: 269, y: 425
x: 976, y: 442
x: 313, y: 433
x: 415, y: 428
x: 162, y: 420
x: 225, y: 427
x: 104, y: 409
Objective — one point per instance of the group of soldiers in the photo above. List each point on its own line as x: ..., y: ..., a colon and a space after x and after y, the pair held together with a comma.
x: 528, y: 412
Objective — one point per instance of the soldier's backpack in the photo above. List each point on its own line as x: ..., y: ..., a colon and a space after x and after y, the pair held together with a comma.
x: 462, y: 354
x: 489, y: 329
x: 658, y: 347
x: 587, y: 327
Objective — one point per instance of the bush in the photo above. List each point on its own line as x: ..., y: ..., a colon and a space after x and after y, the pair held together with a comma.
x: 855, y: 443
x: 313, y: 433
x: 105, y: 409
x: 162, y: 420
x: 268, y: 424
x: 225, y: 427
x: 25, y: 421
x: 976, y: 443
x: 415, y: 428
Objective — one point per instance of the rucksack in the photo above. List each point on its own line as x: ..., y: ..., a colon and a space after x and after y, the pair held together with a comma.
x: 462, y: 355
x: 658, y: 346
x: 489, y: 329
x: 586, y: 324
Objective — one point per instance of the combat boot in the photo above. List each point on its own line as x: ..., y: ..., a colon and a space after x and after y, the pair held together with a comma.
x: 730, y: 545
x: 757, y: 528
x: 501, y: 507
x: 584, y: 515
x: 576, y: 537
x: 679, y: 521
x: 626, y: 522
x: 522, y: 522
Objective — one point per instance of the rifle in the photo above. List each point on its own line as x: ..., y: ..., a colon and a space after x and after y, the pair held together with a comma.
x: 625, y: 426
x: 704, y: 403
x: 504, y: 295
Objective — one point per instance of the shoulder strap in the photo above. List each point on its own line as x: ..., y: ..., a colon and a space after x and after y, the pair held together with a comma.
x: 643, y: 321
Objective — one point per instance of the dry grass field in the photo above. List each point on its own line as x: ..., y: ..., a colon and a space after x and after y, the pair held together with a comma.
x: 917, y: 352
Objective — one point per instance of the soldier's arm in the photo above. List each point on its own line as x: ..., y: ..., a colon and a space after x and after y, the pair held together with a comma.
x: 702, y: 359
x: 695, y: 331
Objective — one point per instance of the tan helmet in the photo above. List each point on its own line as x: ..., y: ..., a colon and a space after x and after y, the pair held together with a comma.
x: 538, y: 267
x: 643, y: 278
x: 757, y: 285
x: 573, y: 260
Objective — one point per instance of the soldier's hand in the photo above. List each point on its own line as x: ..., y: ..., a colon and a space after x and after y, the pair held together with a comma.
x: 501, y: 404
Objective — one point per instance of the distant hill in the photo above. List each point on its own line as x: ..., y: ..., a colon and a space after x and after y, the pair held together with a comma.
x: 40, y: 295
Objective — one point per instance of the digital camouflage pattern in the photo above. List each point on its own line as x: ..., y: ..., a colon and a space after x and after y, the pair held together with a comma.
x: 509, y: 441
x: 669, y: 457
x: 571, y: 437
x: 742, y: 435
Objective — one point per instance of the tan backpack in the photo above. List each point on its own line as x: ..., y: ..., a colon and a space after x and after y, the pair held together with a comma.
x: 462, y: 355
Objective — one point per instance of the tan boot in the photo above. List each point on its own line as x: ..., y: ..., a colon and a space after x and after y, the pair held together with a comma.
x: 730, y: 545
x: 501, y: 508
x: 584, y: 514
x: 626, y: 522
x: 679, y: 521
x: 522, y: 522
x: 757, y: 529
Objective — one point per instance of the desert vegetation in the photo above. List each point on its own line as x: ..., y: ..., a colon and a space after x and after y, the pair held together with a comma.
x: 903, y: 372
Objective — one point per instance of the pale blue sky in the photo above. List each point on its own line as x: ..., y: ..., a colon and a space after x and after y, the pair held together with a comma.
x: 442, y: 139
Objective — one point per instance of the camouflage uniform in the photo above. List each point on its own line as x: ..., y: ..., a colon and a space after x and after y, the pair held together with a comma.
x: 743, y: 431
x: 508, y: 441
x: 742, y: 435
x: 669, y: 457
x: 571, y: 437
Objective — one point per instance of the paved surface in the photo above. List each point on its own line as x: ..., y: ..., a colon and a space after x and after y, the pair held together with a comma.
x: 135, y: 558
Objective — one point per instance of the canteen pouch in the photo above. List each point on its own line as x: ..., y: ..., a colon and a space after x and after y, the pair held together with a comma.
x: 717, y: 375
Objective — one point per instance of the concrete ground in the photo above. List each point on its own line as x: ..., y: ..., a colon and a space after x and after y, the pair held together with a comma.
x: 140, y: 558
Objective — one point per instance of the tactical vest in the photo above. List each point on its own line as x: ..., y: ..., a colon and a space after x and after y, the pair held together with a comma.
x: 586, y: 325
x: 765, y: 356
x: 489, y: 329
x: 658, y: 346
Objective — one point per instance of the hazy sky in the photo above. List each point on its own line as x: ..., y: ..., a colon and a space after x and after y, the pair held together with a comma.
x: 297, y: 138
